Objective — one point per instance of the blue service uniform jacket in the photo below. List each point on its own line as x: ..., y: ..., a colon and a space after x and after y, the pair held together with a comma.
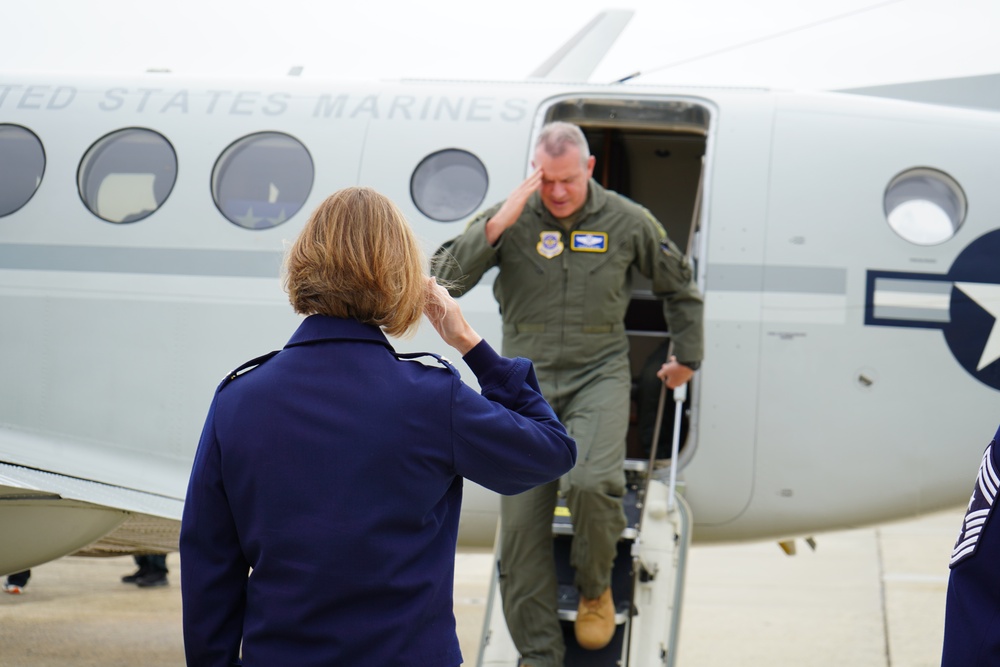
x: 322, y: 510
x: 972, y: 610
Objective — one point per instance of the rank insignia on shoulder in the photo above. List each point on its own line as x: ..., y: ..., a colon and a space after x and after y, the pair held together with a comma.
x: 416, y: 356
x: 550, y: 244
x: 665, y: 247
x: 589, y: 241
x: 980, y: 506
x: 247, y: 367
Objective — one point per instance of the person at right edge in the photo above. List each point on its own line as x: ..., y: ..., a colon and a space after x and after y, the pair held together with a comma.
x: 565, y: 247
x: 972, y: 606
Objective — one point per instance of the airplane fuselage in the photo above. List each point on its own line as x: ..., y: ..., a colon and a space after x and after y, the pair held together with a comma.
x: 826, y: 399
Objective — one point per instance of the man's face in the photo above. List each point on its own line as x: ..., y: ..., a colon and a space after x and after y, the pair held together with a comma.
x: 564, y: 181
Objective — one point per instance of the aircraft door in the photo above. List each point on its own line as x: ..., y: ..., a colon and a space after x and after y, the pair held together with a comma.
x: 701, y: 168
x: 661, y: 171
x: 656, y: 152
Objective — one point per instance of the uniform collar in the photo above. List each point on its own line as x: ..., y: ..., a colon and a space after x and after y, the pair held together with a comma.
x: 597, y: 197
x: 319, y: 328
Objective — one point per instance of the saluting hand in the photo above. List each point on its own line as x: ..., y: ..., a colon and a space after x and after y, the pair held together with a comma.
x: 511, y: 209
x: 446, y: 317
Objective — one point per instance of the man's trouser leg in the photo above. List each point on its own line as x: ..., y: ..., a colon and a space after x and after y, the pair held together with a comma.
x: 597, y: 418
x: 528, y: 584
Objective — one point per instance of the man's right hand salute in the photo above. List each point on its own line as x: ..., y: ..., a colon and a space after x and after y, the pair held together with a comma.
x: 511, y: 209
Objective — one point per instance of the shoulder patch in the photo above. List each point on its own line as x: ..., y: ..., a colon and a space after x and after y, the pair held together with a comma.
x: 246, y: 368
x: 658, y: 227
x: 414, y: 356
x: 550, y: 244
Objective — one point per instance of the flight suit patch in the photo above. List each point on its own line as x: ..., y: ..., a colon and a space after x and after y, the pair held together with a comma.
x: 589, y: 241
x: 550, y: 244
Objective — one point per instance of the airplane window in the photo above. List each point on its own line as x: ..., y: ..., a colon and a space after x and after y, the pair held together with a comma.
x: 449, y: 185
x: 924, y: 206
x: 22, y: 163
x: 262, y: 180
x: 127, y: 175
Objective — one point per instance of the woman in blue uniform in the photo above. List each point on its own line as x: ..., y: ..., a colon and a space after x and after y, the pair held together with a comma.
x: 322, y: 511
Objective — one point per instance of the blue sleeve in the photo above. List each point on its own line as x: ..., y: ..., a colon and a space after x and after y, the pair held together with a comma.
x: 213, y: 568
x: 507, y: 439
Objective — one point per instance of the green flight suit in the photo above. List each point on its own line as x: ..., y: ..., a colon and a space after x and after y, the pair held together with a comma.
x: 563, y: 294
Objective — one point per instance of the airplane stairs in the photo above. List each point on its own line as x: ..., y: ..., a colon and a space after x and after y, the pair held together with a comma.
x: 647, y: 582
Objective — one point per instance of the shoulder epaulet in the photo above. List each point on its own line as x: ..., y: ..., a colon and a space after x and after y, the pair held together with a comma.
x: 246, y: 368
x: 441, y: 360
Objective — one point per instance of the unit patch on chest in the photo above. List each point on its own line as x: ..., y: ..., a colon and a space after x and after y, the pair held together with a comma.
x: 550, y: 244
x: 588, y: 241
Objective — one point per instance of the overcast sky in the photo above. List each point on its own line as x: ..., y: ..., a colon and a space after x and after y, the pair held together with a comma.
x: 821, y: 44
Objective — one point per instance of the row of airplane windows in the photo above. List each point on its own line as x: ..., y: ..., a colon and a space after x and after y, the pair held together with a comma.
x: 258, y: 182
x: 261, y: 180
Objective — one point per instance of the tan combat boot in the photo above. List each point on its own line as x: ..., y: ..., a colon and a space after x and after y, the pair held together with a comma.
x: 595, y: 621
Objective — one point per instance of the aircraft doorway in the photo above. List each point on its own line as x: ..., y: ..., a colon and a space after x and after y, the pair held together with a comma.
x: 651, y: 151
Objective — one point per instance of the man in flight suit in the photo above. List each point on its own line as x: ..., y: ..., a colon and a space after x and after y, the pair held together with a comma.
x: 565, y: 247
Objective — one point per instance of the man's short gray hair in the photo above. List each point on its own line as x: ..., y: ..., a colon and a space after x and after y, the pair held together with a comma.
x: 556, y: 137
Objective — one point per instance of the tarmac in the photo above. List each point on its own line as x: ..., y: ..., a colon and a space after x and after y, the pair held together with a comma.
x: 870, y: 597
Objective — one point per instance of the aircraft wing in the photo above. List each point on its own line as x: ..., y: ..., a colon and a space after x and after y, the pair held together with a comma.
x: 60, y: 497
x: 972, y: 92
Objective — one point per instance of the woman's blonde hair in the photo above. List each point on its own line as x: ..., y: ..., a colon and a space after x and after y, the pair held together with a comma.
x: 357, y: 258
